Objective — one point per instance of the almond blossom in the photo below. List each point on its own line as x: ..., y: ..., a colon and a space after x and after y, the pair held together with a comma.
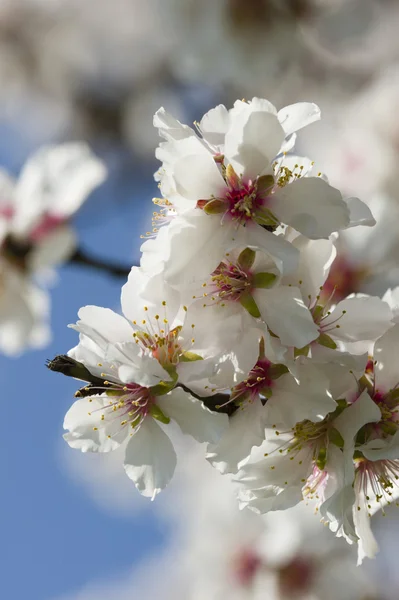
x: 35, y: 235
x: 128, y: 395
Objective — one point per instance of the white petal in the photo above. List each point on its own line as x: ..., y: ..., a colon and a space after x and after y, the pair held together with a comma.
x: 360, y: 214
x: 143, y: 296
x: 283, y: 252
x: 54, y: 248
x: 311, y: 206
x: 103, y: 325
x: 298, y: 115
x: 294, y: 400
x: 315, y: 259
x: 87, y: 431
x: 202, y: 238
x: 192, y: 416
x: 252, y: 142
x: 284, y: 312
x: 381, y: 448
x: 367, y: 545
x: 169, y: 127
x: 136, y: 366
x: 359, y: 413
x: 197, y: 177
x: 214, y: 125
x: 56, y: 181
x: 246, y: 430
x: 386, y: 353
x: 150, y: 459
x: 359, y: 318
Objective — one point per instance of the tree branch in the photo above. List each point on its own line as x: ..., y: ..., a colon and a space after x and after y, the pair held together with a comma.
x: 81, y: 258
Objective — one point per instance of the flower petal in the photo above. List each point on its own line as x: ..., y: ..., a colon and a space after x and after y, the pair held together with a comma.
x: 197, y: 177
x: 150, y: 459
x: 285, y: 313
x: 252, y: 142
x: 360, y: 214
x: 88, y: 432
x: 311, y: 206
x: 386, y: 353
x: 103, y: 325
x: 246, y: 430
x: 303, y: 397
x: 296, y: 116
x: 55, y: 181
x: 358, y: 318
x: 192, y: 416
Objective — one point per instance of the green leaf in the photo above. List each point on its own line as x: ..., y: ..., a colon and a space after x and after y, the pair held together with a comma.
x: 157, y: 414
x: 263, y: 280
x: 325, y: 340
x: 246, y: 258
x: 250, y: 305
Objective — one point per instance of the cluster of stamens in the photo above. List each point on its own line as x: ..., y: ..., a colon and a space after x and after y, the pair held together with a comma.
x: 129, y: 404
x: 160, y: 218
x: 229, y: 281
x: 159, y: 339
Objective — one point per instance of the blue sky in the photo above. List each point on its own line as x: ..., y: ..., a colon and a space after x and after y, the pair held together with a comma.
x: 55, y: 539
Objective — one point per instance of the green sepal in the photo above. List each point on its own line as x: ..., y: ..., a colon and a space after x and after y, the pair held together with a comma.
x: 163, y: 387
x: 302, y: 351
x: 266, y: 392
x: 325, y: 340
x: 389, y: 427
x: 157, y: 414
x: 265, y: 183
x: 276, y: 371
x: 189, y: 357
x: 246, y: 258
x: 247, y: 301
x: 321, y: 459
x: 231, y: 177
x: 317, y: 312
x: 357, y: 455
x: 215, y: 207
x: 263, y: 280
x: 335, y: 437
x: 115, y: 392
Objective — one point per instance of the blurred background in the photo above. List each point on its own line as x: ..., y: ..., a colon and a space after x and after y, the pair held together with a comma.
x: 73, y: 526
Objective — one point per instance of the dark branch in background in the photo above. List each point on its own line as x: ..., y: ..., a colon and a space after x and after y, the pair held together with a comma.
x: 216, y: 403
x: 72, y: 368
x: 82, y: 258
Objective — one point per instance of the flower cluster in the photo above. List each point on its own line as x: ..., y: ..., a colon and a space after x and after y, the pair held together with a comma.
x: 35, y: 235
x: 231, y: 330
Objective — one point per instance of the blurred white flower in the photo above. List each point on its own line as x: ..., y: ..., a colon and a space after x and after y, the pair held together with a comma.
x: 35, y: 235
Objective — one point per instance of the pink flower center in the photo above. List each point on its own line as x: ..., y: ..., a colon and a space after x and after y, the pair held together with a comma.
x: 243, y: 202
x: 246, y: 565
x: 230, y: 281
x: 46, y: 226
x: 258, y: 383
x: 344, y: 279
x: 296, y: 577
